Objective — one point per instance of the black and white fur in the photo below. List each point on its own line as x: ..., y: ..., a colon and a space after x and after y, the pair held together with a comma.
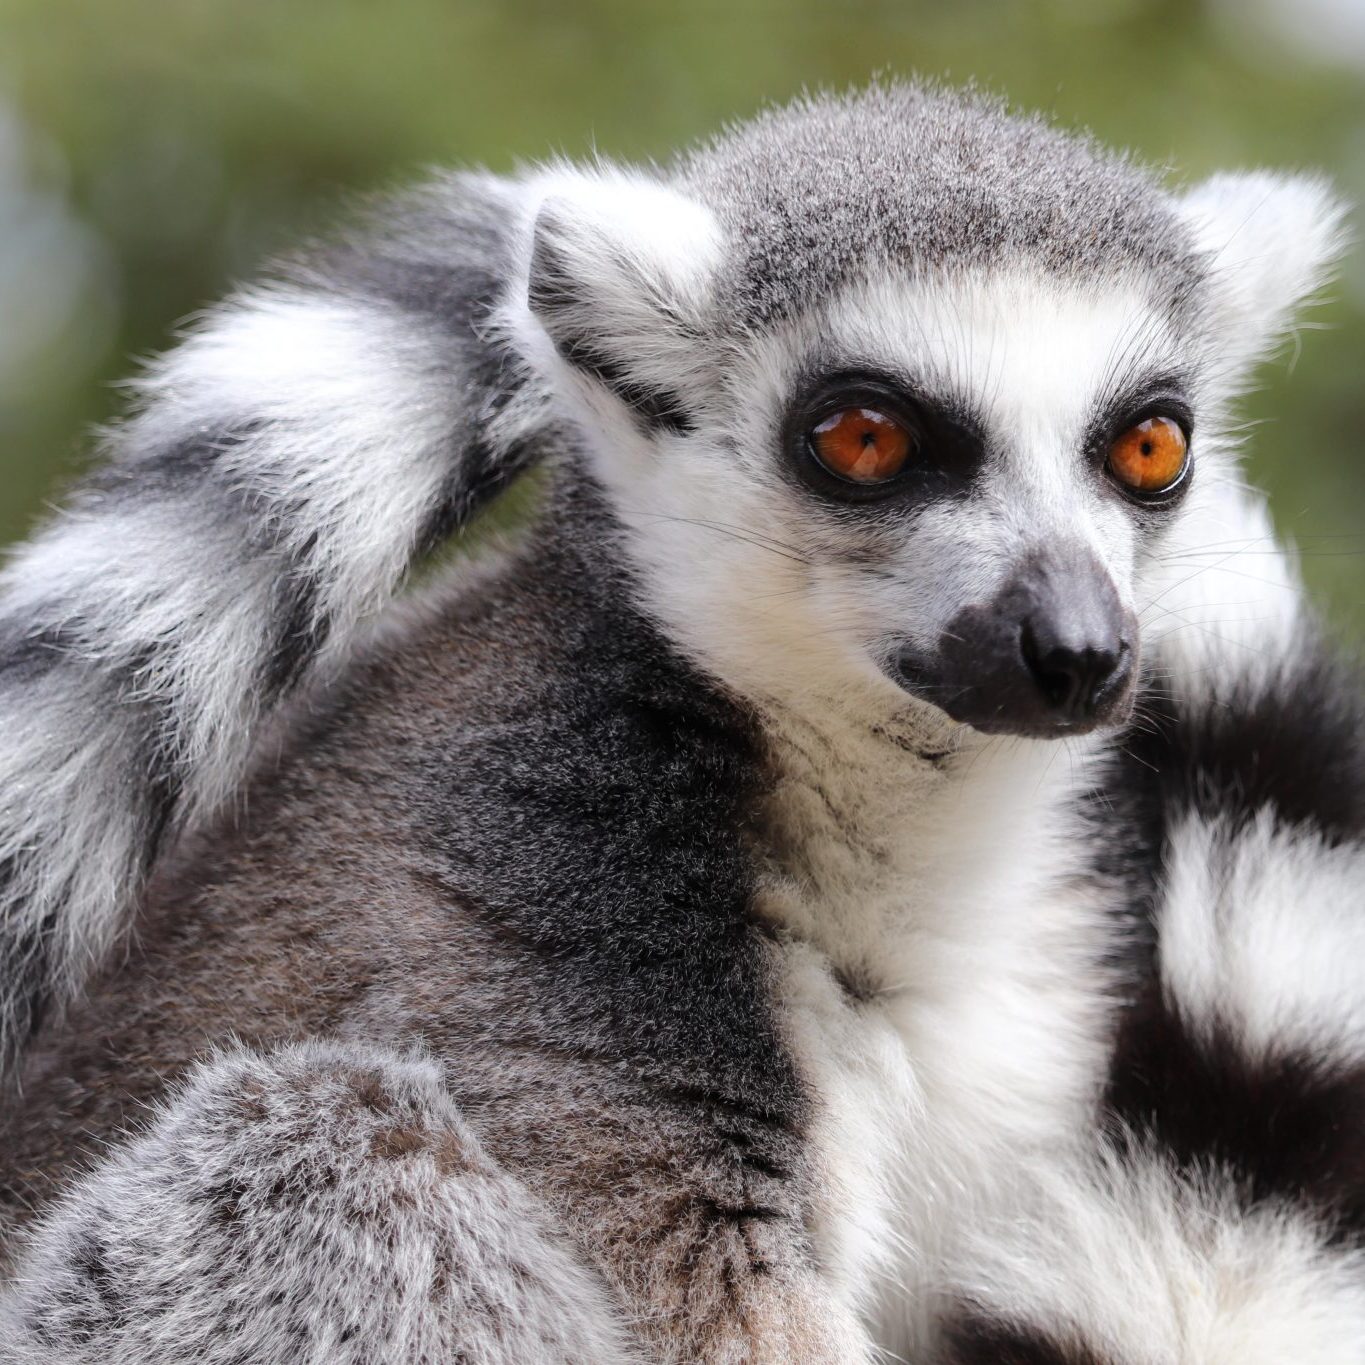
x: 605, y: 957
x: 287, y: 465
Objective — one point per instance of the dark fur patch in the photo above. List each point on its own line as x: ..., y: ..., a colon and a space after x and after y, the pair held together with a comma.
x: 657, y: 408
x: 1295, y: 744
x: 592, y: 819
x: 299, y: 628
x: 973, y: 1337
x: 485, y: 473
x: 441, y: 254
x: 1286, y: 1125
x: 27, y: 654
x: 90, y: 1265
x: 25, y: 969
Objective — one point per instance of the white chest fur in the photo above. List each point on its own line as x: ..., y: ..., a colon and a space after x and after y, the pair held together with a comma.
x: 940, y: 985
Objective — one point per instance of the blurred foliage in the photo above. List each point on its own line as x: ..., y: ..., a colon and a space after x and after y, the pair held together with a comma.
x: 151, y: 151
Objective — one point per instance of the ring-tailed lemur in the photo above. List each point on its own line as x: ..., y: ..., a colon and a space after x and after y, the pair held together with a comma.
x: 875, y: 869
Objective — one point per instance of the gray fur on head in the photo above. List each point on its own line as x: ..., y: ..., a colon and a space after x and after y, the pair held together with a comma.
x: 830, y: 189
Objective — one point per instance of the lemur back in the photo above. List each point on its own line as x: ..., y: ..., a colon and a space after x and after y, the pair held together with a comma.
x: 843, y: 881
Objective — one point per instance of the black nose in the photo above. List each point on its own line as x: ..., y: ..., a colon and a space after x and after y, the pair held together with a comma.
x: 1054, y: 652
x: 1075, y: 672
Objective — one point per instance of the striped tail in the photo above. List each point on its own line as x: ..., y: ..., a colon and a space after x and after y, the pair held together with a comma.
x: 285, y: 466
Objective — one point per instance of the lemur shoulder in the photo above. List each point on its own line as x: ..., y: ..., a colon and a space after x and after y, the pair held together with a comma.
x: 874, y: 870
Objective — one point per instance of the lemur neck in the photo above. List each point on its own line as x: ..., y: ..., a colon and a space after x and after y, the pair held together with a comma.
x: 879, y: 832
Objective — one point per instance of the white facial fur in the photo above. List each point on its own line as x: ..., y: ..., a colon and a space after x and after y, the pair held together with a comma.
x: 769, y: 586
x: 789, y: 602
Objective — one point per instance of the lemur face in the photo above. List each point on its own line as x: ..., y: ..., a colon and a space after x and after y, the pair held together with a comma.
x: 972, y: 472
x: 911, y: 425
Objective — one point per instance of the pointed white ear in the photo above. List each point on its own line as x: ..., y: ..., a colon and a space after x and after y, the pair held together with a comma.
x: 1271, y: 241
x: 620, y: 275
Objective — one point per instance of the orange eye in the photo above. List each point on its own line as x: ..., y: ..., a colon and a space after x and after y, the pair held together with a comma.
x: 862, y: 444
x: 1151, y: 456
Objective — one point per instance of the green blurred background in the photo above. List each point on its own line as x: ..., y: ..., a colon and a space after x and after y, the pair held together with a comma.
x: 152, y: 151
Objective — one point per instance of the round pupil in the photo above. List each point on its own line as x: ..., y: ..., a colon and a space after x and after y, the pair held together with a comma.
x: 862, y: 444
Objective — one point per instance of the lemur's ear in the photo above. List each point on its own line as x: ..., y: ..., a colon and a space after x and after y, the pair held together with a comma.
x: 619, y: 278
x: 1271, y: 240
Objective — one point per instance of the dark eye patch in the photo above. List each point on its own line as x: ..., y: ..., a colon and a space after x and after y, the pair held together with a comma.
x: 949, y: 441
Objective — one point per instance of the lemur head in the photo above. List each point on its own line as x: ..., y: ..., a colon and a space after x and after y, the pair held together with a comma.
x: 902, y: 398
